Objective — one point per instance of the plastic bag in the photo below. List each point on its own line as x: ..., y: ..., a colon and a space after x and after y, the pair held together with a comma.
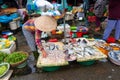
x: 6, y: 19
x: 99, y: 7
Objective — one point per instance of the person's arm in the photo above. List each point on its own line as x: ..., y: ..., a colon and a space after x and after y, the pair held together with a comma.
x: 29, y: 25
x: 38, y: 42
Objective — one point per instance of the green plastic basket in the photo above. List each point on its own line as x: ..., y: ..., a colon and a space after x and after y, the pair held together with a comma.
x: 87, y: 63
x: 50, y: 69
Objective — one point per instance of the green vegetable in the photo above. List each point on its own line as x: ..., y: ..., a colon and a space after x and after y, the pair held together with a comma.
x: 2, y: 69
x: 15, y: 57
x: 2, y: 56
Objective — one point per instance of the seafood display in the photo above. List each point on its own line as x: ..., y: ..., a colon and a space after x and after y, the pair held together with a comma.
x: 102, y: 46
x: 53, y: 46
x: 115, y: 54
x: 105, y: 47
x: 55, y: 55
x: 83, y: 50
x: 80, y: 49
x: 54, y: 58
x: 70, y: 55
x: 114, y: 57
x: 90, y: 53
x: 115, y: 46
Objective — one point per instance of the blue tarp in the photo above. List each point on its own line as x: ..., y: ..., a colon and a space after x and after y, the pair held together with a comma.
x: 6, y: 19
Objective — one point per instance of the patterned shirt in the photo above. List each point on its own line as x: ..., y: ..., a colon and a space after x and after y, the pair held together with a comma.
x: 37, y: 33
x: 37, y: 39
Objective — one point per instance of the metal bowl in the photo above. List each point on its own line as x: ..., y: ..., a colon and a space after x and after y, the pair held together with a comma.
x: 113, y: 58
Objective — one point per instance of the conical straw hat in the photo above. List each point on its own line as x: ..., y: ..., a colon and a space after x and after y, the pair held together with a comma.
x: 45, y: 23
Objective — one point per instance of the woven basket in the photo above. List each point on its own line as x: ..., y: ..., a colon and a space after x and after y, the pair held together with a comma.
x: 18, y: 63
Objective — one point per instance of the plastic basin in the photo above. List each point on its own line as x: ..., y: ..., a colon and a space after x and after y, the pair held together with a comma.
x: 22, y: 65
x: 50, y: 69
x: 87, y: 63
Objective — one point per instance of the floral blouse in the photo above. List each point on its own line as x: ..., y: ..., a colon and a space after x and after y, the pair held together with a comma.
x: 38, y: 39
x: 37, y: 33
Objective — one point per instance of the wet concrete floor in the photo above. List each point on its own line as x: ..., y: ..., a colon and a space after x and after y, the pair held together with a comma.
x: 100, y: 70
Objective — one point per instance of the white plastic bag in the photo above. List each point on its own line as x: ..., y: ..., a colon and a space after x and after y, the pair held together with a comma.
x: 43, y: 4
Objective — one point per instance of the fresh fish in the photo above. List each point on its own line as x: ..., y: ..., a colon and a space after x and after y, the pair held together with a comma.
x: 91, y: 52
x: 78, y: 40
x: 52, y: 47
x: 56, y: 47
x: 87, y: 54
x: 84, y: 41
x: 112, y: 54
x: 80, y: 53
x: 118, y: 56
x: 70, y: 51
x: 80, y: 56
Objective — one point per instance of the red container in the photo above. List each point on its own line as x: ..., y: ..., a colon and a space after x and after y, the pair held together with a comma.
x: 53, y: 40
x: 111, y: 40
x: 5, y: 36
x: 71, y: 33
x: 79, y: 34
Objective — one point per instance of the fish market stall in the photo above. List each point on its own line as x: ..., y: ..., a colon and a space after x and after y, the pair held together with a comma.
x: 84, y: 50
x: 114, y: 57
x: 77, y: 49
x: 55, y: 56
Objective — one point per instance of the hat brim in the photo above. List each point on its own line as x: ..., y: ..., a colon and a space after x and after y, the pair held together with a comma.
x: 45, y: 23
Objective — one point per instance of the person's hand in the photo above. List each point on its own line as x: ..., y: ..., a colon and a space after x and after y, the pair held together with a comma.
x: 44, y: 54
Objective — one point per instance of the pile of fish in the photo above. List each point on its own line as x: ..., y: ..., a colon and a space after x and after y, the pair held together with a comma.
x: 102, y: 44
x: 55, y: 56
x: 114, y: 57
x: 115, y: 54
x: 59, y: 54
x: 83, y: 51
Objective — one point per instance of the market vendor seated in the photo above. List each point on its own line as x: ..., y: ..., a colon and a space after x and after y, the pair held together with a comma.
x: 33, y: 28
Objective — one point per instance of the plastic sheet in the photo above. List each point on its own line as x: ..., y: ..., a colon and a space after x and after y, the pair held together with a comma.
x: 6, y: 19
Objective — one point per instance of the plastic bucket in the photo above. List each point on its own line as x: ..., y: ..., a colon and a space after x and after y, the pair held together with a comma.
x: 18, y: 23
x: 13, y: 25
x: 73, y: 28
x: 79, y: 34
